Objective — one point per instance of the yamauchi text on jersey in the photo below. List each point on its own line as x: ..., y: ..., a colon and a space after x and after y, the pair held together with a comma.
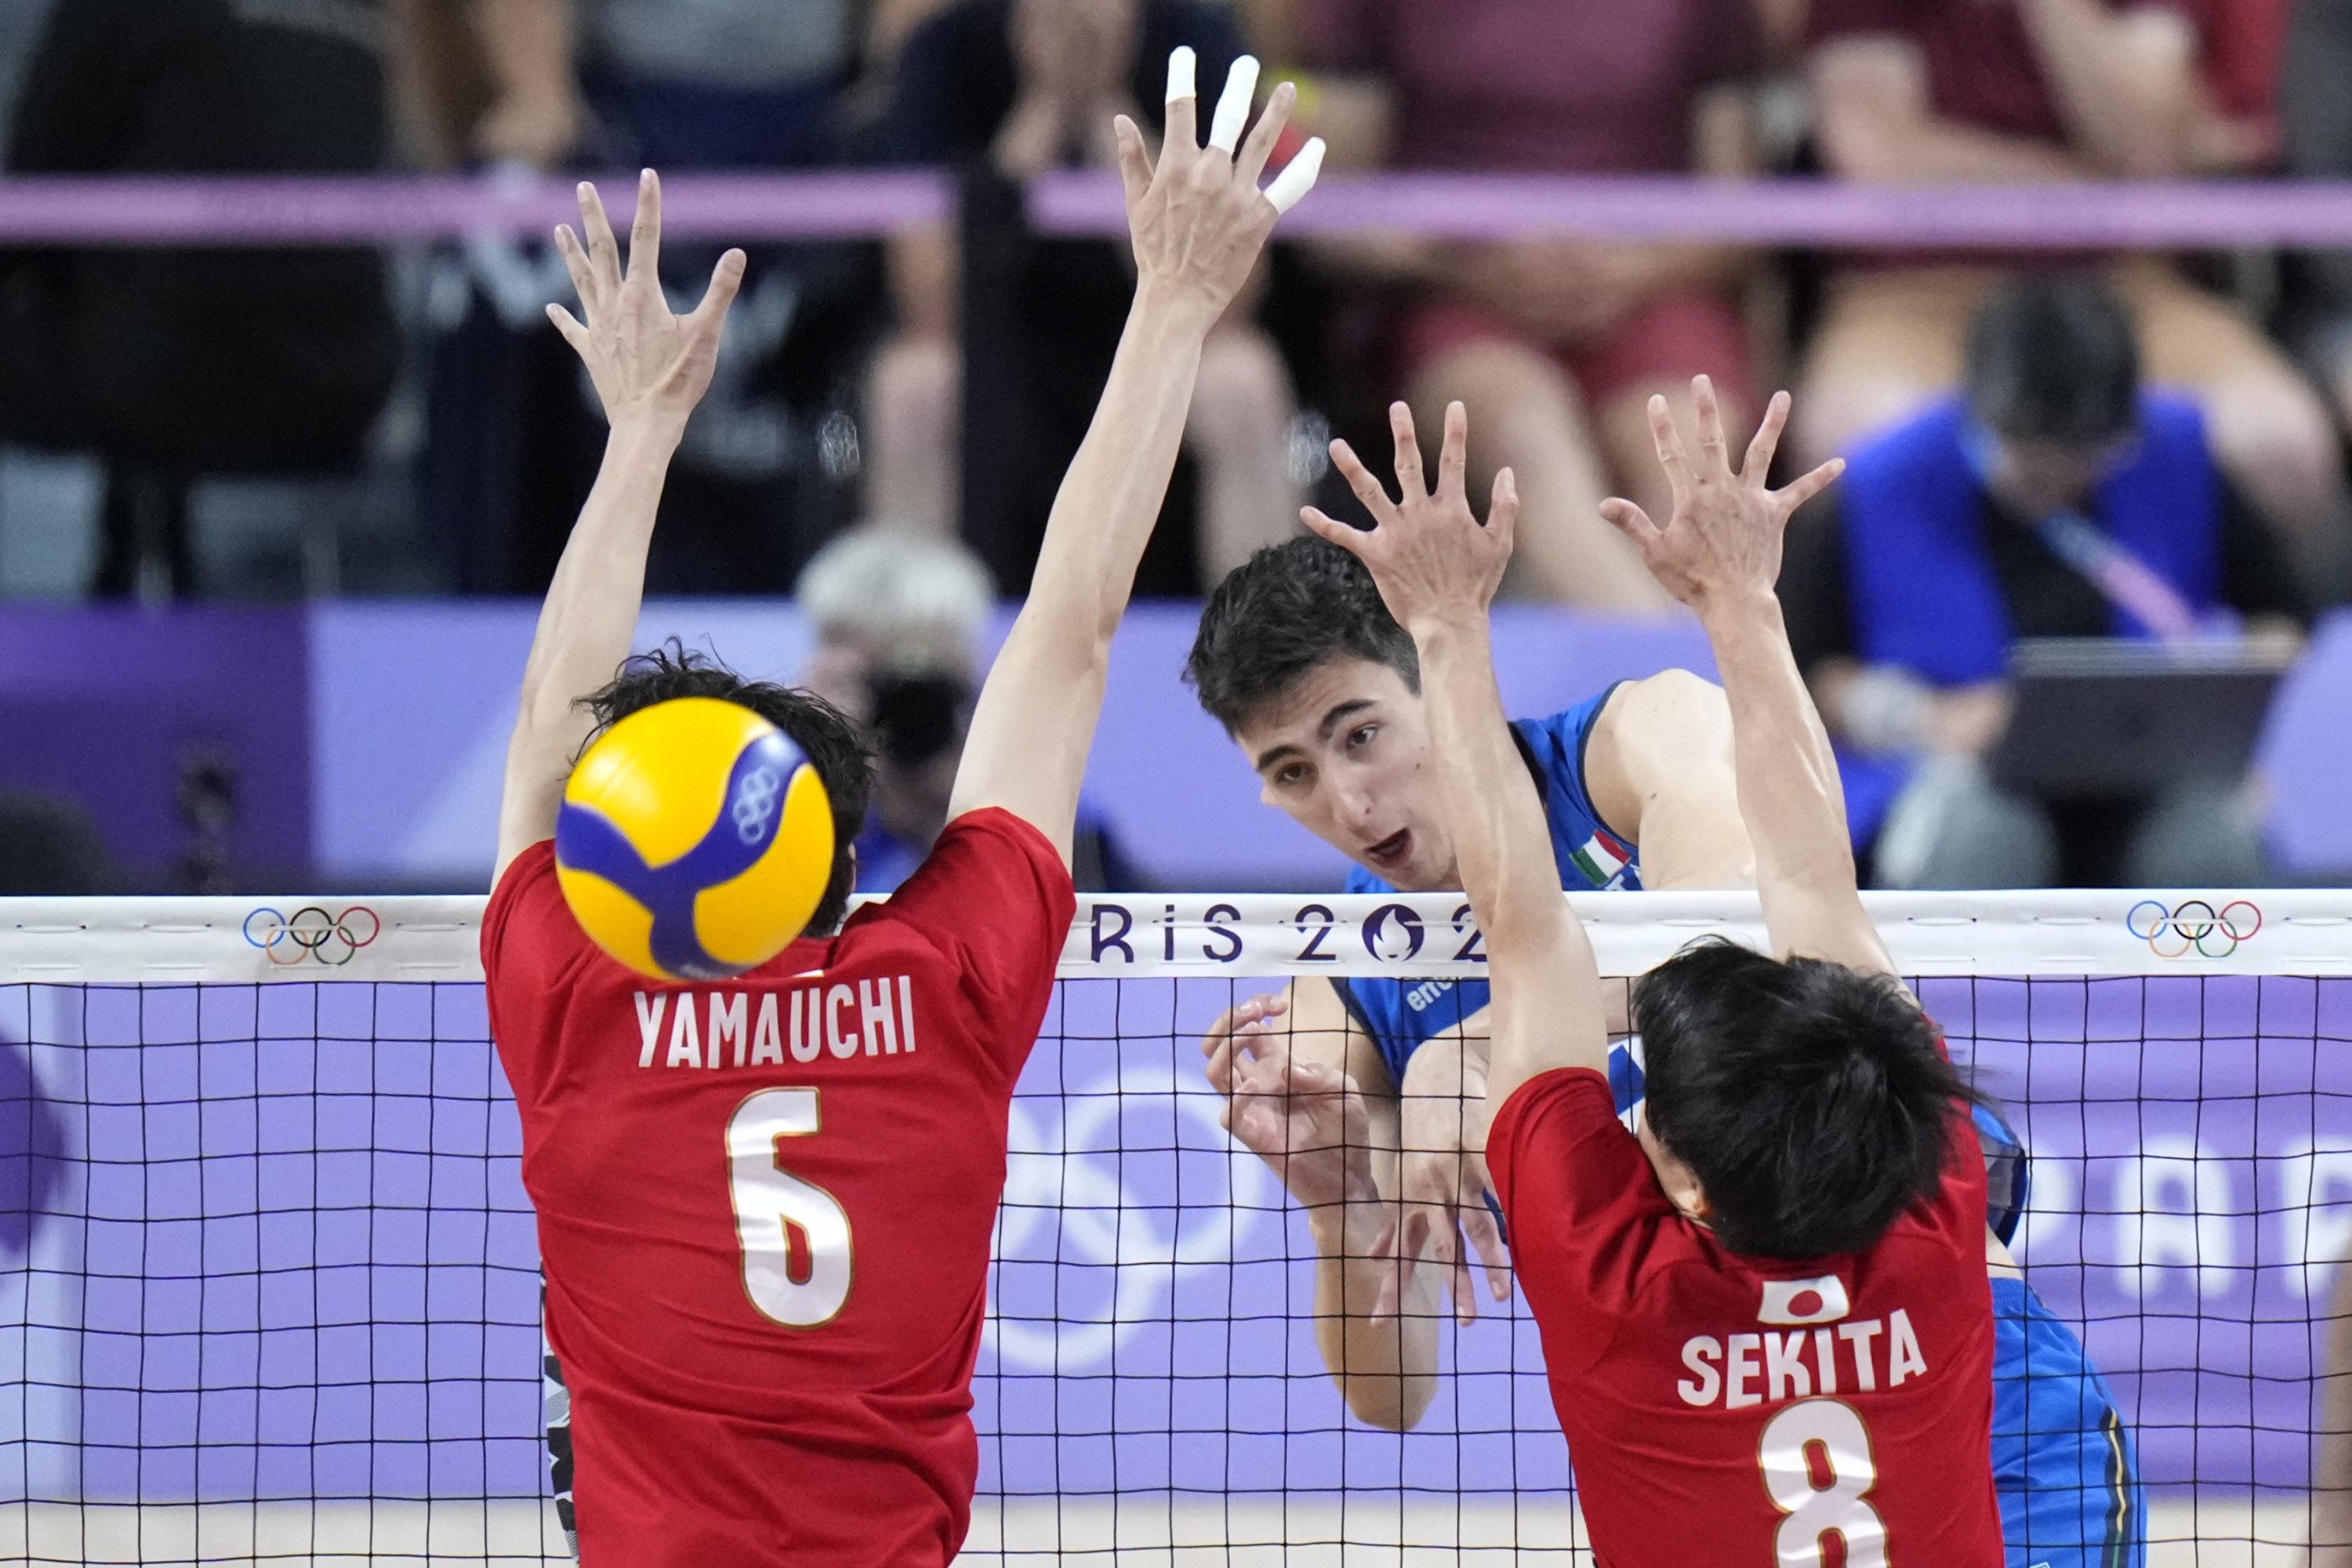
x: 812, y: 1018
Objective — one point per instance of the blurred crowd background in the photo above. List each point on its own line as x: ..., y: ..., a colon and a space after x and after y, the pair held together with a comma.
x: 890, y: 417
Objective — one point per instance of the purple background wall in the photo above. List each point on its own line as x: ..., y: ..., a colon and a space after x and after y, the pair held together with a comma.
x: 371, y: 734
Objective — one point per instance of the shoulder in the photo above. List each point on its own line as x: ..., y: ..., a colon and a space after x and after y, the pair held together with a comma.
x: 527, y: 912
x: 1664, y: 714
x: 1557, y: 1109
x: 991, y: 881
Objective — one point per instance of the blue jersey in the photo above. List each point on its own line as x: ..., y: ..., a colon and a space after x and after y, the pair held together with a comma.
x: 1400, y: 1014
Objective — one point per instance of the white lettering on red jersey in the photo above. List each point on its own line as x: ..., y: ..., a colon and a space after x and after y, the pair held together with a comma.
x: 765, y: 1206
x: 1847, y: 1398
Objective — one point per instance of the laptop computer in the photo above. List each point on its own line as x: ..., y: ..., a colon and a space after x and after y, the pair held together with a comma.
x: 2097, y: 716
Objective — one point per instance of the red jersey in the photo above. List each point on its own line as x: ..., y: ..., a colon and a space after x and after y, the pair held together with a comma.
x: 765, y: 1204
x: 1729, y: 1410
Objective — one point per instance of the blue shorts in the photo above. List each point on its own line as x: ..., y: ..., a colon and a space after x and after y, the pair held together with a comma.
x: 2062, y: 1461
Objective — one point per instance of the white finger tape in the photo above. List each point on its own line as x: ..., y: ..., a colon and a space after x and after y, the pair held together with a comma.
x: 1297, y: 176
x: 1233, y: 104
x: 1180, y: 74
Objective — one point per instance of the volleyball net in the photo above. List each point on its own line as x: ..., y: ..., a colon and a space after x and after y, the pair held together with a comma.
x: 269, y: 1288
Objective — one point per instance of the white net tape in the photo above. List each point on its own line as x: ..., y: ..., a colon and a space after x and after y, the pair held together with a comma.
x: 267, y: 1277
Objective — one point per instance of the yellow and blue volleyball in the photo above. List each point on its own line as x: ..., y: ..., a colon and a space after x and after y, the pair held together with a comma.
x: 695, y: 840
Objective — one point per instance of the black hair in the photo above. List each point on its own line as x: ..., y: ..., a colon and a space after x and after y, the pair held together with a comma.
x: 1813, y: 1101
x: 1279, y: 614
x: 824, y: 733
x: 2054, y: 355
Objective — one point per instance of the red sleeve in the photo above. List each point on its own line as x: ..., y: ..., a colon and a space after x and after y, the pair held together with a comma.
x: 1578, y: 1195
x: 995, y: 895
x: 1349, y: 36
x: 530, y: 942
x: 1828, y: 19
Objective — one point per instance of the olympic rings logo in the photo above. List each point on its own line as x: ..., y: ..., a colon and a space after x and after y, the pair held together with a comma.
x: 311, y: 935
x: 2195, y: 927
x: 755, y: 803
x: 1097, y: 1227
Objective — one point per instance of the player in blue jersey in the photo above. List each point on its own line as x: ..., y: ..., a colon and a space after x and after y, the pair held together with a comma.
x: 1360, y: 1093
x: 1305, y: 667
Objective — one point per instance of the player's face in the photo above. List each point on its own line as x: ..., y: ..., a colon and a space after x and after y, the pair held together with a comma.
x: 1346, y: 753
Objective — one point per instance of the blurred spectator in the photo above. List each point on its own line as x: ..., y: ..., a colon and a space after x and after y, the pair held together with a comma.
x: 171, y: 362
x: 1916, y: 92
x: 1998, y: 516
x: 1555, y: 344
x: 1009, y: 338
x: 2318, y: 111
x: 899, y: 616
x: 770, y: 461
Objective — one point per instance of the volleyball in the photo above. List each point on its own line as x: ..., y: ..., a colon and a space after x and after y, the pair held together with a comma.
x: 696, y: 840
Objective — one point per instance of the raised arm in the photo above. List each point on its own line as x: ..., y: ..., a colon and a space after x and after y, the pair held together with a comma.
x: 650, y: 369
x: 1720, y: 553
x: 1198, y: 222
x: 1437, y: 569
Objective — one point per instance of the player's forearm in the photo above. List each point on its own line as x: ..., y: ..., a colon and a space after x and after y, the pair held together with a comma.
x: 1036, y: 715
x: 1501, y: 845
x: 1386, y: 1371
x: 1790, y: 794
x: 2124, y: 83
x: 589, y: 616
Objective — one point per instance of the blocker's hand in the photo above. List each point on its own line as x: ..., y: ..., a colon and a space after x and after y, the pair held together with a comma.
x: 1723, y: 542
x: 1431, y: 557
x: 1197, y: 219
x: 648, y: 363
x: 1305, y: 1119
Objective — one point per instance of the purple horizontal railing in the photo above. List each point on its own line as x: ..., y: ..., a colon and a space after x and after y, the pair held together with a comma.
x: 750, y: 207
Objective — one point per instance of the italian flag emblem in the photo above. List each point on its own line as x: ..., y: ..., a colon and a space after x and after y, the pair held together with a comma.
x: 1603, y: 858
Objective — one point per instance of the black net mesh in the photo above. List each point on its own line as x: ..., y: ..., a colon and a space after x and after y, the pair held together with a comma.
x: 269, y: 1285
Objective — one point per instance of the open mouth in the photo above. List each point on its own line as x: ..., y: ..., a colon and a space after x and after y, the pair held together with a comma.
x: 1391, y: 851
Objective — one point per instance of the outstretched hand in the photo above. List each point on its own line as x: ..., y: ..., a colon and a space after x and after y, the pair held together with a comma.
x: 1197, y: 217
x: 646, y: 362
x: 1430, y: 556
x: 1723, y: 540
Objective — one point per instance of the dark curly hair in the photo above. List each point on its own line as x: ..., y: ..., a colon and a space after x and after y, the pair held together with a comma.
x: 1281, y: 613
x: 1813, y: 1101
x: 821, y: 731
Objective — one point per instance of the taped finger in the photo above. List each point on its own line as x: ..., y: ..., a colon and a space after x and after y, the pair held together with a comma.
x: 1297, y: 176
x: 1182, y: 64
x: 1233, y: 105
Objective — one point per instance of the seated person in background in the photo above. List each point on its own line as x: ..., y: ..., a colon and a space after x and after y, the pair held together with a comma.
x: 899, y: 617
x: 1555, y: 344
x: 2056, y: 498
x: 1020, y: 87
x: 1918, y: 91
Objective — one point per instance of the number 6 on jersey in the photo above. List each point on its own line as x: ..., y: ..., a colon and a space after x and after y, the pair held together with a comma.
x: 771, y: 1204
